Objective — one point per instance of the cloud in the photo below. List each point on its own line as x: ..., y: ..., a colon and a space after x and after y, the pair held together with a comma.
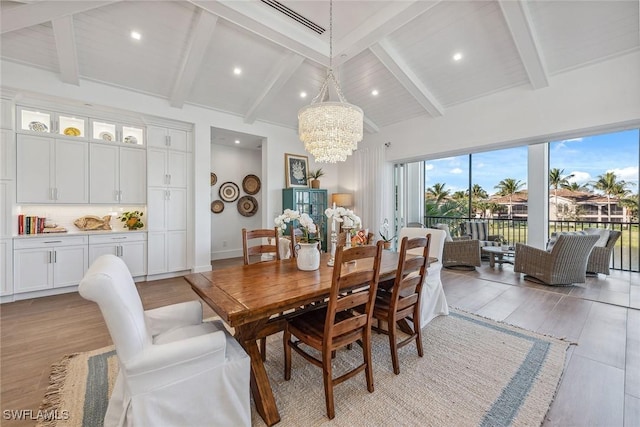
x: 429, y: 166
x: 580, y: 177
x: 456, y: 170
x: 630, y: 173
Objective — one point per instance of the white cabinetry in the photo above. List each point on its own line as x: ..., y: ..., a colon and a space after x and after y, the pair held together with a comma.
x: 6, y: 266
x: 7, y: 154
x: 52, y: 170
x: 38, y: 121
x: 167, y: 165
x: 6, y: 114
x: 49, y: 262
x: 173, y: 139
x: 110, y: 131
x: 118, y: 174
x: 131, y: 247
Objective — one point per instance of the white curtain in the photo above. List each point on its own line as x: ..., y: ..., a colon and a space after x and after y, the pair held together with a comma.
x: 373, y: 175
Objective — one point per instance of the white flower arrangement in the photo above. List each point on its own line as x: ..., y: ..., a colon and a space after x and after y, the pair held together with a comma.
x: 346, y: 216
x: 305, y: 223
x: 384, y: 231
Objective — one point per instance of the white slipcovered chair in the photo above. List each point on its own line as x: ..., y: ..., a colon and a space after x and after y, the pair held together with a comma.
x: 175, y: 370
x: 433, y: 302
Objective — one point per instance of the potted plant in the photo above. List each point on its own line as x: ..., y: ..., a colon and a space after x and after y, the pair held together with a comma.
x: 313, y: 177
x: 384, y: 233
x: 132, y: 219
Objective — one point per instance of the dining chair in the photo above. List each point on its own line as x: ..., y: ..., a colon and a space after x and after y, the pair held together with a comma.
x: 247, y: 251
x: 339, y: 323
x: 268, y: 233
x: 402, y: 299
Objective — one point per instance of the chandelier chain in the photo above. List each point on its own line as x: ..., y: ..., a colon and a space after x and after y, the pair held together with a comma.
x: 330, y: 35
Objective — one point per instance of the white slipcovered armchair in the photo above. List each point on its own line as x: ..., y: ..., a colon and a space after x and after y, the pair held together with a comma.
x: 433, y: 301
x: 175, y: 370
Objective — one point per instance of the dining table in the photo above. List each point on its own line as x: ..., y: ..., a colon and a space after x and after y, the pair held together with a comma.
x: 257, y: 299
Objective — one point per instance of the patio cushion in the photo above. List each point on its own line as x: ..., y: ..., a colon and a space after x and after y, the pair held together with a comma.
x: 478, y: 230
x: 445, y: 228
x: 554, y: 237
x: 602, y: 233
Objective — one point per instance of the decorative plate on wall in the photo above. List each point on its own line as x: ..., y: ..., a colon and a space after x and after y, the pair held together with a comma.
x: 214, y: 179
x: 247, y: 205
x: 229, y: 192
x: 251, y: 184
x: 217, y: 206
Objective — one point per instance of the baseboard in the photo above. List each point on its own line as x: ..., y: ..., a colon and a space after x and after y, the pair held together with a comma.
x: 233, y: 253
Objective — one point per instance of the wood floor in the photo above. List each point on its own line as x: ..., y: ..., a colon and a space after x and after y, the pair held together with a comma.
x: 600, y: 386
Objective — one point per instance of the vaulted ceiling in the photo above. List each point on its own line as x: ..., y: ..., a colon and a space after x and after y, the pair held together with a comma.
x: 404, y: 50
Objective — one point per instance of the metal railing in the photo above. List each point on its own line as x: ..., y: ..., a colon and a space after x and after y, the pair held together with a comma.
x: 626, y: 253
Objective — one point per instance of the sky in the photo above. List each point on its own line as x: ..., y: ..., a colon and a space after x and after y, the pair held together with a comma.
x: 585, y: 158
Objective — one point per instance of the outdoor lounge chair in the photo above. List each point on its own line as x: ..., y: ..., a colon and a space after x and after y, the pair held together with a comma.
x: 600, y: 257
x: 564, y: 265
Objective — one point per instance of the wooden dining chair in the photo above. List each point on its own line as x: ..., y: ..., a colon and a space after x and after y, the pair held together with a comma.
x: 269, y: 233
x: 402, y: 300
x: 339, y: 323
x: 247, y: 251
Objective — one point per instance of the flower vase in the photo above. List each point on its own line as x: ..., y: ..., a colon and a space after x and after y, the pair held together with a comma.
x: 386, y: 245
x: 307, y: 256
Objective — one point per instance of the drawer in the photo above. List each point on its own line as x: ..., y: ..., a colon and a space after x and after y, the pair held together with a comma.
x: 52, y: 241
x: 117, y: 238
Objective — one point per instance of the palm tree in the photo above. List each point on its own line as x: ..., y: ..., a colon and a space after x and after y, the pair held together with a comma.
x: 557, y: 179
x: 477, y: 192
x: 437, y: 193
x: 574, y: 186
x: 610, y: 186
x: 508, y: 187
x: 459, y: 195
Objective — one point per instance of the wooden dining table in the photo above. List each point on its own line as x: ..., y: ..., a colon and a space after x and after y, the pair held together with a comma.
x: 251, y: 298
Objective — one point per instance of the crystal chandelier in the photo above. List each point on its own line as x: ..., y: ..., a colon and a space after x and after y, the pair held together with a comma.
x: 330, y: 130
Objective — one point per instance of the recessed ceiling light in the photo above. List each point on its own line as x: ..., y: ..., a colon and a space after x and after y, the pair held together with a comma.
x: 237, y: 141
x: 374, y: 92
x: 237, y: 71
x: 457, y: 56
x: 303, y: 94
x: 136, y: 35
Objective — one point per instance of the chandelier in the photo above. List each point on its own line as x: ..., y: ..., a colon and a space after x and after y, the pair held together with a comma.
x: 329, y: 130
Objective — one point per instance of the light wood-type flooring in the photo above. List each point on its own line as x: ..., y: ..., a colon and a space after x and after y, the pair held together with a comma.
x: 600, y: 385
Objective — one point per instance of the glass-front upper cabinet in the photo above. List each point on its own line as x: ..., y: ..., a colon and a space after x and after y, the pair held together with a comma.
x: 42, y: 121
x: 108, y: 131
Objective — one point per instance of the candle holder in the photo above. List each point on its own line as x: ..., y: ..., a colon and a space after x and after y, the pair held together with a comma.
x: 347, y: 243
x: 334, y: 241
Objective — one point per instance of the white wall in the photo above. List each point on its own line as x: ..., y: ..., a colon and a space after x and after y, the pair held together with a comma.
x: 233, y: 164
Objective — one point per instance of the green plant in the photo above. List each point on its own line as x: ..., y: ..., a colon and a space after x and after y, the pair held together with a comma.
x: 315, y: 174
x: 132, y: 219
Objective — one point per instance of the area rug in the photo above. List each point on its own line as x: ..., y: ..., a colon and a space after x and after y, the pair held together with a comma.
x: 475, y: 372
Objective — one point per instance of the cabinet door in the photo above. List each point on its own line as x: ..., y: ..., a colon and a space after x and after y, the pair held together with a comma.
x: 6, y: 267
x: 157, y: 167
x: 177, y: 169
x: 96, y: 251
x: 8, y: 221
x: 157, y: 137
x: 71, y: 172
x: 33, y: 269
x: 70, y: 263
x: 103, y: 179
x: 177, y: 139
x: 176, y: 250
x: 157, y: 250
x: 156, y: 210
x: 7, y: 154
x: 133, y: 176
x: 134, y: 254
x: 176, y: 209
x: 34, y: 160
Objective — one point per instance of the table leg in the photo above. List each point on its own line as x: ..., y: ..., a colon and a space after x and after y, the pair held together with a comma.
x: 492, y: 259
x: 260, y: 386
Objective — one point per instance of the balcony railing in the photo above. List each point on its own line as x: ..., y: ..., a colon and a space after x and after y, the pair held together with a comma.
x: 626, y: 253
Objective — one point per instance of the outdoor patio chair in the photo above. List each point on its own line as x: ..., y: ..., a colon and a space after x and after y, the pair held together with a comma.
x: 564, y: 265
x: 479, y: 230
x: 459, y: 252
x: 600, y: 257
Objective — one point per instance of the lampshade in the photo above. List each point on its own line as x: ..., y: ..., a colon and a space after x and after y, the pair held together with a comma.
x: 342, y: 199
x: 329, y: 130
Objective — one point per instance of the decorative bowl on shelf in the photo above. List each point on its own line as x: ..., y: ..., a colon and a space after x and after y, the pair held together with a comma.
x: 38, y: 127
x: 71, y: 131
x: 130, y: 139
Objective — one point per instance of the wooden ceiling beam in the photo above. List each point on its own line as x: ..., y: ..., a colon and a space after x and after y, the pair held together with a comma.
x: 516, y: 14
x: 279, y: 76
x: 392, y: 60
x: 201, y: 35
x: 37, y: 13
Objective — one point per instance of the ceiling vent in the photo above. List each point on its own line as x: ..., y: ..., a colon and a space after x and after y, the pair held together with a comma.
x: 294, y: 15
